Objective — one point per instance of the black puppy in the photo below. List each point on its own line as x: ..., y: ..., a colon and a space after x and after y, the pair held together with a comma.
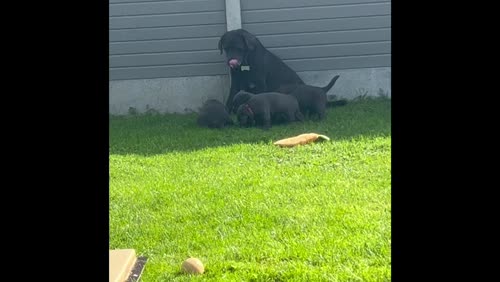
x: 253, y: 68
x: 261, y: 108
x: 312, y: 99
x: 213, y: 114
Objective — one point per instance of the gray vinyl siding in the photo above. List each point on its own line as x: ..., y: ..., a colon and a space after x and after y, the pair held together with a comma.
x: 161, y: 39
x: 312, y: 35
x: 153, y: 39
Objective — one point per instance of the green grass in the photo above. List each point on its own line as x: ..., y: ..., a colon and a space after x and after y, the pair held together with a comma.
x: 252, y: 211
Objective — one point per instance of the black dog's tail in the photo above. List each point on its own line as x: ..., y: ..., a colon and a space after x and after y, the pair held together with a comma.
x: 327, y: 88
x: 330, y: 85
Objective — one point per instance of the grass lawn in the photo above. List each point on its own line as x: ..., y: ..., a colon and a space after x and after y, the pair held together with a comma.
x: 249, y: 210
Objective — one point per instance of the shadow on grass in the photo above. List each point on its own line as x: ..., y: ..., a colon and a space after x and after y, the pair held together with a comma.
x: 154, y: 134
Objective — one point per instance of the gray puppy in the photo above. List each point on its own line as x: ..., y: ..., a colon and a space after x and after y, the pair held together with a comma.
x: 242, y: 97
x: 312, y: 99
x: 213, y: 114
x: 261, y: 108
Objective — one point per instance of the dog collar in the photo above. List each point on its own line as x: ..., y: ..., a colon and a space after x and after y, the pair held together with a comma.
x: 245, y: 68
x: 249, y: 109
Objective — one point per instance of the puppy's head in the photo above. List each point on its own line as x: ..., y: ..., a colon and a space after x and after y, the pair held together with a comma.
x: 237, y: 44
x: 240, y: 98
x: 245, y: 115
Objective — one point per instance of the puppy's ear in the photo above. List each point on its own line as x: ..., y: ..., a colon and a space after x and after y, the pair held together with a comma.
x: 241, y: 115
x: 240, y: 110
x: 250, y: 41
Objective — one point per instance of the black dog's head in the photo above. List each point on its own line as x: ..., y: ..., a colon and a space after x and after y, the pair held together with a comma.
x: 245, y: 115
x: 237, y: 44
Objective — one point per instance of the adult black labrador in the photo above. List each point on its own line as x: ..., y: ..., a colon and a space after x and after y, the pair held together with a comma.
x: 253, y: 68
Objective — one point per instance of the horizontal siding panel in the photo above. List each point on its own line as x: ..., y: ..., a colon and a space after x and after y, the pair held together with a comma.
x: 169, y: 7
x: 306, y: 39
x: 166, y: 59
x: 272, y: 4
x: 318, y: 25
x: 284, y: 53
x: 167, y: 32
x: 221, y: 68
x: 164, y: 46
x: 309, y: 13
x: 168, y: 71
x: 168, y: 20
x: 140, y: 1
x: 323, y: 51
x: 340, y: 63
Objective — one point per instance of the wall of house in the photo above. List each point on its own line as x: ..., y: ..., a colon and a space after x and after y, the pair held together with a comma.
x: 164, y: 56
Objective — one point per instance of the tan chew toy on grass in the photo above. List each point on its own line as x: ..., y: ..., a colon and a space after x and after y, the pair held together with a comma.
x: 300, y: 139
x: 192, y: 266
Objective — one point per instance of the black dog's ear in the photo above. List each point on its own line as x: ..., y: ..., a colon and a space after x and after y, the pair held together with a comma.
x: 250, y: 40
x: 220, y: 43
